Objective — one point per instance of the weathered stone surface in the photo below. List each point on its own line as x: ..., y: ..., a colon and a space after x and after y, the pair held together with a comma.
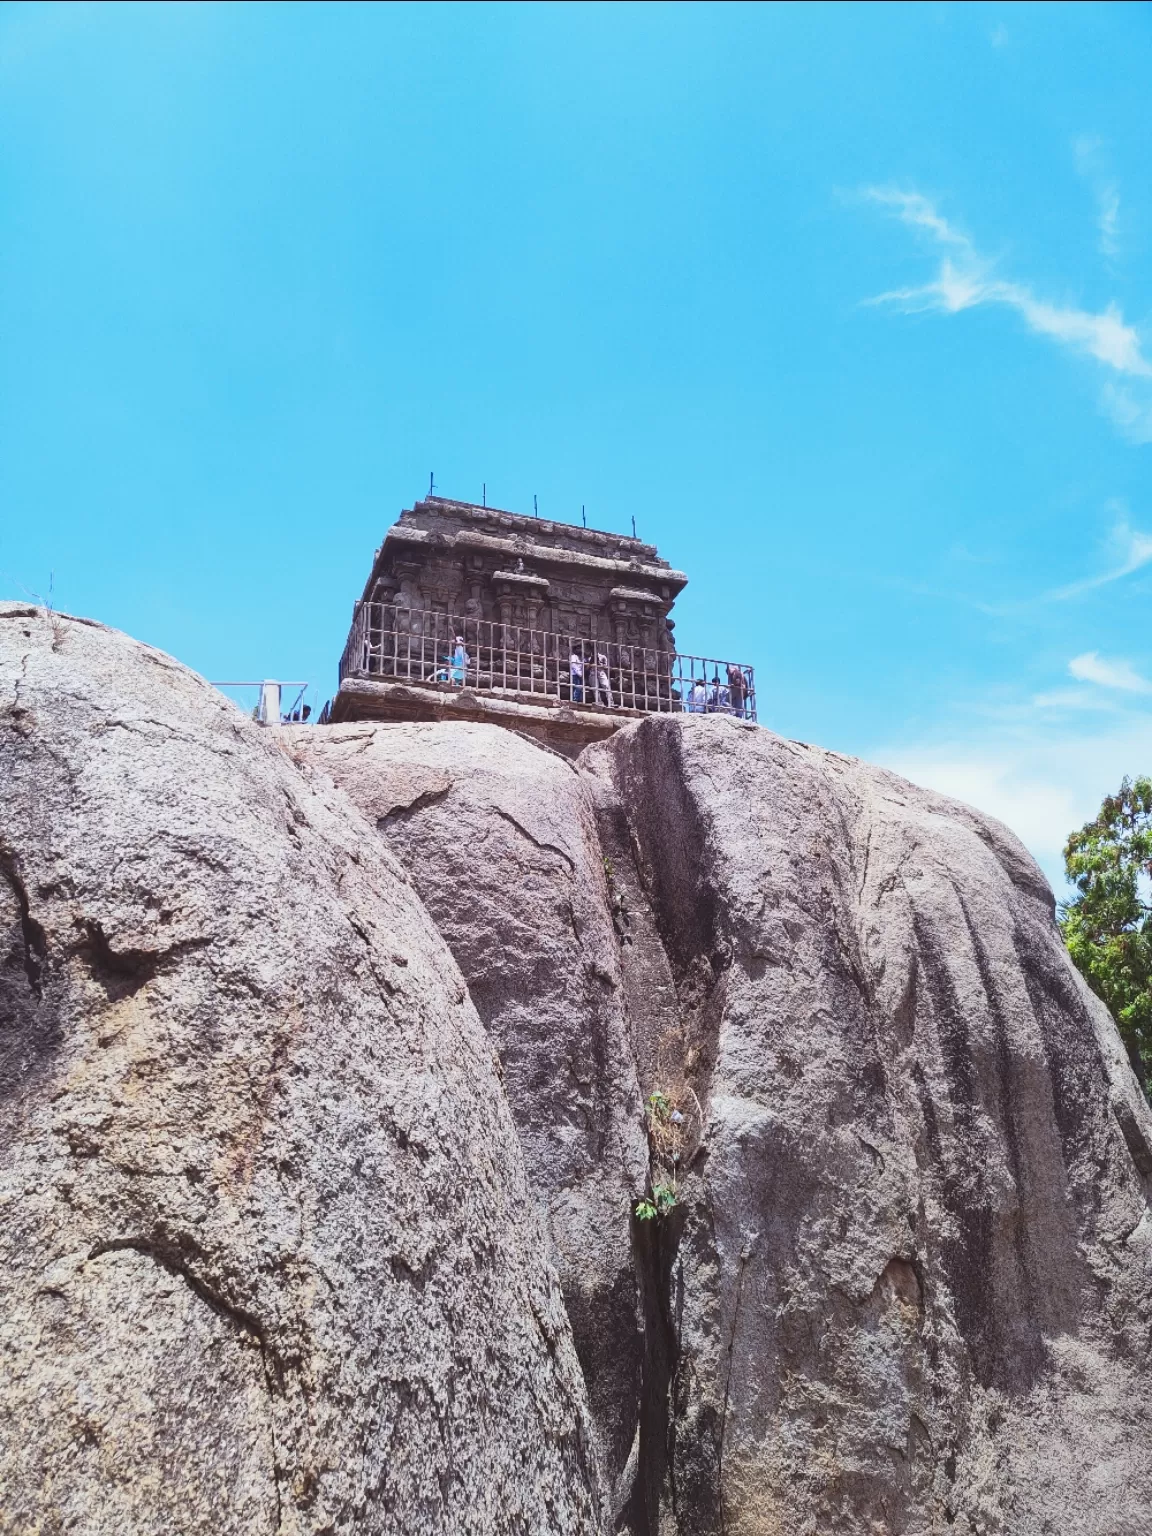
x: 500, y: 841
x: 907, y: 1284
x: 267, y: 1256
x: 908, y: 1287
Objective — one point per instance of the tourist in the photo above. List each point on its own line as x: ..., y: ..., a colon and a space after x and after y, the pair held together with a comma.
x: 697, y: 701
x: 719, y: 699
x: 460, y: 660
x: 600, y: 680
x: 737, y: 689
x: 576, y: 669
x: 455, y: 666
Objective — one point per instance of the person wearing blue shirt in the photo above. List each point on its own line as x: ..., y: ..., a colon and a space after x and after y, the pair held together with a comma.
x: 460, y: 659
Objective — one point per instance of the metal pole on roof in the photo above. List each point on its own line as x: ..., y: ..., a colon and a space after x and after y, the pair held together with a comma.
x: 633, y: 527
x: 583, y: 515
x: 484, y: 493
x: 535, y: 508
x: 431, y: 481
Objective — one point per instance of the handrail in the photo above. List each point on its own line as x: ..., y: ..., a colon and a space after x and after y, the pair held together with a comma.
x: 269, y: 708
x: 449, y: 651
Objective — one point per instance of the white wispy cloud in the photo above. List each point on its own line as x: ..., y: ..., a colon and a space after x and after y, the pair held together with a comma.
x: 1091, y: 163
x: 1041, y: 765
x: 1103, y: 336
x: 918, y: 211
x: 1126, y: 551
x: 1074, y: 699
x: 965, y: 279
x: 1109, y: 220
x: 1130, y: 550
x: 1132, y: 415
x: 1043, y: 779
x: 1091, y: 667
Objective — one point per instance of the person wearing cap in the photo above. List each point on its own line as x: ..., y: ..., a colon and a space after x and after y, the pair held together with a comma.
x: 460, y: 659
x: 454, y: 666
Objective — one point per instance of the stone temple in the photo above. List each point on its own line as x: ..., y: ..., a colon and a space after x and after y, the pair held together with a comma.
x: 560, y: 632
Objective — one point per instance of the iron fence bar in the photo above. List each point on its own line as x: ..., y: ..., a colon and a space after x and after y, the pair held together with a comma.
x: 431, y: 646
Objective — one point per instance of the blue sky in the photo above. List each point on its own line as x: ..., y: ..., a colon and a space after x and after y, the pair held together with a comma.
x: 850, y: 306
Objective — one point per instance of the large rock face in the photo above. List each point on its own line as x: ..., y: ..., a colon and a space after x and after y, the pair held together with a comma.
x: 908, y: 1286
x: 267, y: 1251
x: 267, y: 1256
x: 500, y: 841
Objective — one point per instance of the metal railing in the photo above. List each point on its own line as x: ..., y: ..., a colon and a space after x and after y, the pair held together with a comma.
x: 446, y: 651
x: 270, y: 708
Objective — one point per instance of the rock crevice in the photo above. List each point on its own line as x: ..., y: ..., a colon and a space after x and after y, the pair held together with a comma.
x: 887, y: 1101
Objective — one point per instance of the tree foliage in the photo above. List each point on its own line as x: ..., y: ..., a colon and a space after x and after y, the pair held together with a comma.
x: 1108, y: 923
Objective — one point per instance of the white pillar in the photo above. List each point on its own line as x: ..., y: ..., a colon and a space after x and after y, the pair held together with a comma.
x: 269, y: 713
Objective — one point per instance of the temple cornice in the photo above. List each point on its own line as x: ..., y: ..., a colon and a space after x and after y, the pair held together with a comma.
x: 466, y: 540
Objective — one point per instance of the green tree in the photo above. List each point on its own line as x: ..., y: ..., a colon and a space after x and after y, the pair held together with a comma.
x: 1108, y: 923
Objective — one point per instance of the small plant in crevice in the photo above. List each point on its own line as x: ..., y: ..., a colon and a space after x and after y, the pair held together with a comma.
x: 660, y: 1201
x: 666, y: 1125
